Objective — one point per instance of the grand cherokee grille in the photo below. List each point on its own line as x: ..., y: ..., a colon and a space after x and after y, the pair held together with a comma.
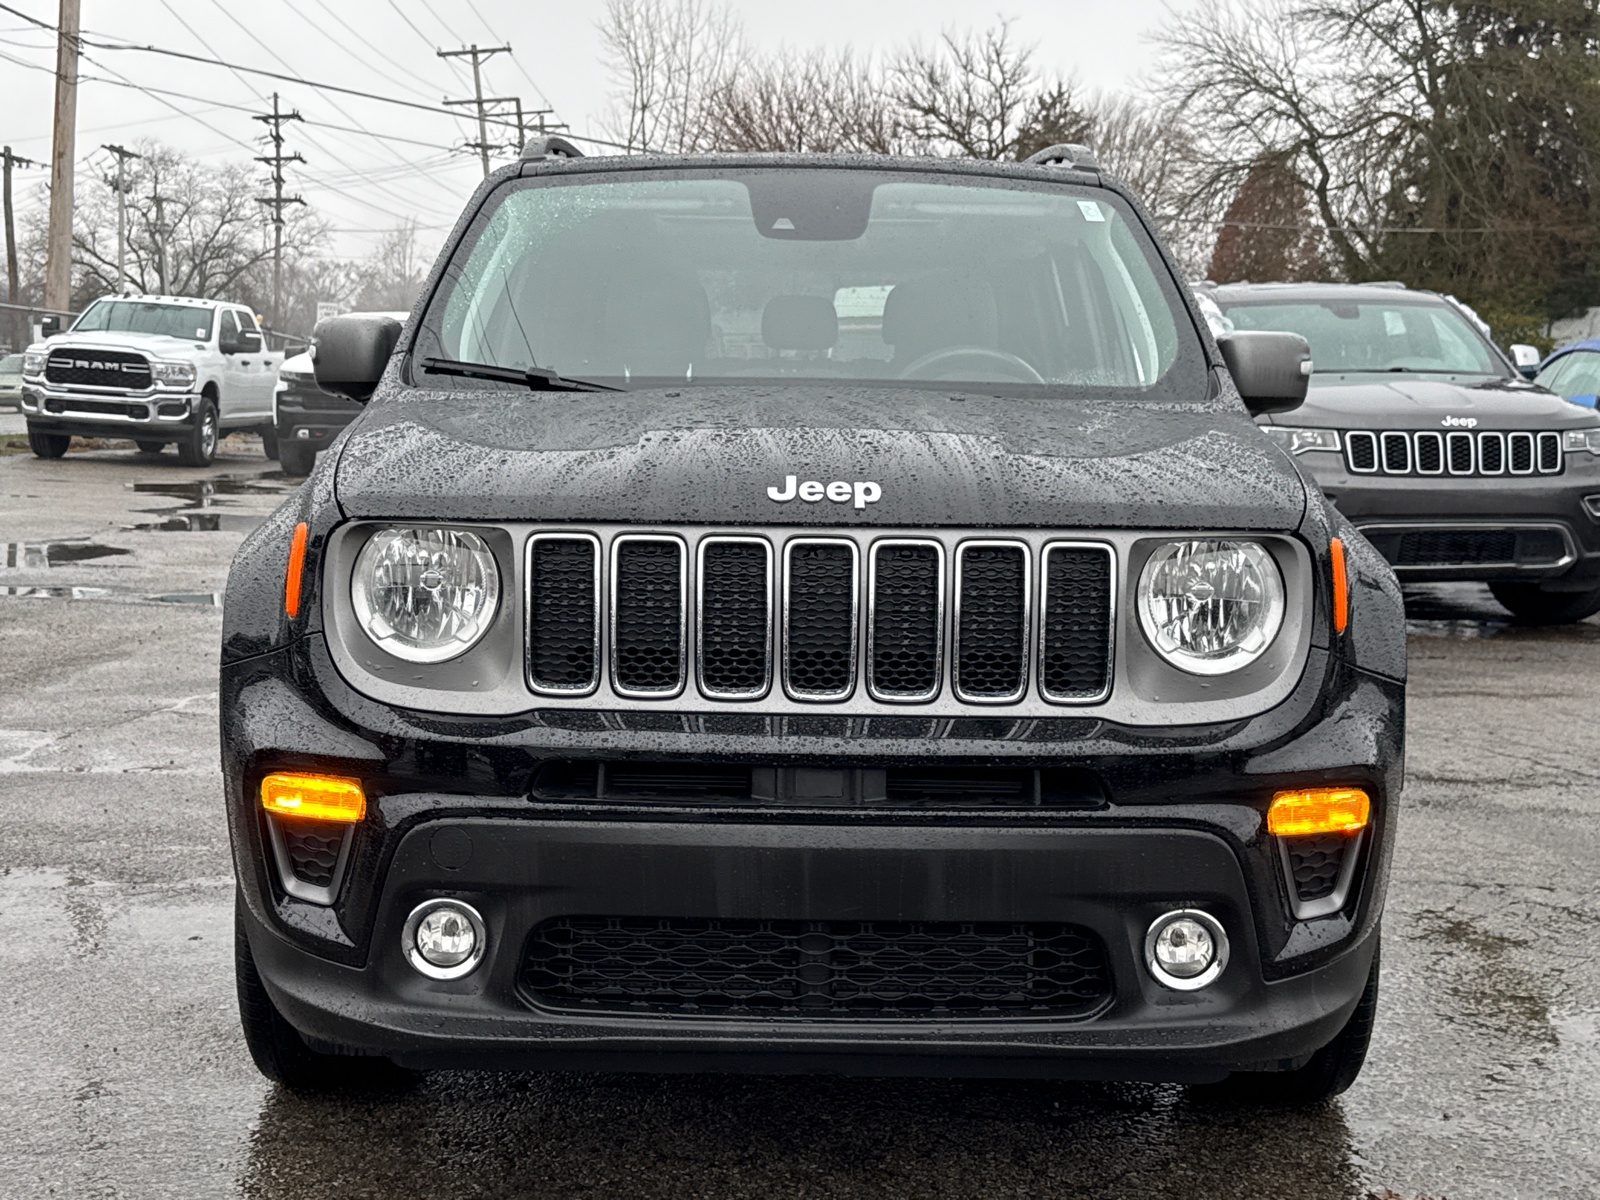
x: 775, y: 968
x: 1456, y: 453
x: 120, y: 369
x: 988, y: 621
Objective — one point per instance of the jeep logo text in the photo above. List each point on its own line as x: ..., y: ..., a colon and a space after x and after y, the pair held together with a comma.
x: 863, y: 492
x: 1460, y: 422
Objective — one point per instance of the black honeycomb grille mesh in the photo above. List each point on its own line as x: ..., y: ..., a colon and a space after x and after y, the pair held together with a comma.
x: 313, y: 850
x: 734, y: 617
x: 1450, y: 547
x: 992, y: 654
x: 1076, y: 623
x: 99, y: 368
x: 1549, y: 452
x: 562, y: 611
x: 815, y: 968
x: 1460, y: 453
x: 1363, y: 448
x: 649, y: 616
x: 1396, y: 453
x: 1430, y: 453
x: 1315, y: 863
x: 906, y: 623
x: 1491, y: 454
x: 821, y: 620
x: 1521, y: 446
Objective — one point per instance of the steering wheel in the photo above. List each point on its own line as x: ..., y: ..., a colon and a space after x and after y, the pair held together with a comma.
x: 926, y: 367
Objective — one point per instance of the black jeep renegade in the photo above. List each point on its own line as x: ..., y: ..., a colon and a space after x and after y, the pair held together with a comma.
x: 810, y: 614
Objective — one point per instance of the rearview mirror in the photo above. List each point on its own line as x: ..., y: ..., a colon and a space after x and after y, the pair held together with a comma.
x: 1271, y: 370
x: 349, y: 353
x: 1527, y: 359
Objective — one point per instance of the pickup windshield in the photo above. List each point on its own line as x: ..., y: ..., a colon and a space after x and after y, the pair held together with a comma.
x: 189, y: 322
x: 1376, y: 336
x: 813, y: 274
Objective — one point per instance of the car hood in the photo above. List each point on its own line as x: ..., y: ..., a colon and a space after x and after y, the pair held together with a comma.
x: 1350, y: 401
x: 709, y: 454
x: 158, y: 345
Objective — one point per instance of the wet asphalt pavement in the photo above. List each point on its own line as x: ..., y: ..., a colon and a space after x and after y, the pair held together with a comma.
x: 122, y: 1072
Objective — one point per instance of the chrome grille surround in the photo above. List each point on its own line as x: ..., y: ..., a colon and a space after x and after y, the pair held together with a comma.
x: 793, y: 691
x: 967, y: 695
x: 1427, y: 452
x: 1463, y: 459
x: 1044, y: 620
x: 546, y: 688
x: 892, y: 697
x: 707, y: 690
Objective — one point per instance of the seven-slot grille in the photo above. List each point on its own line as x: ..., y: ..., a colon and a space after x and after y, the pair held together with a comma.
x: 773, y: 612
x: 1491, y: 452
x: 120, y: 369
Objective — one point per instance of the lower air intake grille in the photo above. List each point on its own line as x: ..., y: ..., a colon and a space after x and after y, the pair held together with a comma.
x: 735, y: 618
x: 1315, y: 863
x: 907, y: 620
x: 873, y: 969
x: 992, y: 622
x: 647, y: 615
x: 1074, y: 659
x: 313, y: 849
x: 820, y: 620
x: 562, y: 608
x: 1451, y: 547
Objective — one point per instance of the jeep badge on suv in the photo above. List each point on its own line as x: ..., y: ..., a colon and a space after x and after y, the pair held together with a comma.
x: 793, y: 613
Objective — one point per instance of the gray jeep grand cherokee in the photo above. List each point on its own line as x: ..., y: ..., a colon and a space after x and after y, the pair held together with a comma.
x: 810, y: 614
x: 1424, y: 436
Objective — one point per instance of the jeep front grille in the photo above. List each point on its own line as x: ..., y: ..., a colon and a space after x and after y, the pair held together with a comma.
x: 1429, y: 453
x: 989, y: 621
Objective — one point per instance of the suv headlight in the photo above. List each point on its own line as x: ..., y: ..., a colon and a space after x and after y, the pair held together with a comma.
x: 173, y: 374
x: 33, y: 363
x: 1298, y: 441
x: 1210, y: 607
x: 425, y: 595
x: 1577, y: 440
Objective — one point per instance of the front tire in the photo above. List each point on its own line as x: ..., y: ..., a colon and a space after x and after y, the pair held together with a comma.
x: 280, y: 1053
x: 1531, y: 605
x: 296, y: 459
x: 269, y: 441
x: 48, y: 445
x: 150, y: 447
x: 199, y: 447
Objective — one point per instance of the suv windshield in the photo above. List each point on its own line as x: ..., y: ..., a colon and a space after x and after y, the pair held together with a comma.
x: 1377, y: 335
x: 700, y: 276
x: 192, y: 323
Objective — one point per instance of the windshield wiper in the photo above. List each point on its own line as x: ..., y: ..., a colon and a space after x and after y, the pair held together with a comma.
x: 537, y: 378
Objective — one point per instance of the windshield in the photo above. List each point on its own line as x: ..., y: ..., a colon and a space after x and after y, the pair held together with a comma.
x: 1377, y: 335
x: 11, y: 364
x: 812, y: 274
x: 189, y: 322
x: 1574, y: 374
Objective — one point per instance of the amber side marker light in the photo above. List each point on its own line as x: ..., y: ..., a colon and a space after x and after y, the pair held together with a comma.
x: 1341, y: 586
x: 291, y: 581
x: 313, y: 797
x: 1319, y: 810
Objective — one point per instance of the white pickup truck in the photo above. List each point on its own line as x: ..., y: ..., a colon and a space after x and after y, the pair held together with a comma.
x: 157, y: 369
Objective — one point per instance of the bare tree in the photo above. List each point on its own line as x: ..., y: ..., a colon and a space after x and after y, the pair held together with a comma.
x: 668, y: 58
x: 808, y: 102
x: 392, y: 275
x: 1148, y: 145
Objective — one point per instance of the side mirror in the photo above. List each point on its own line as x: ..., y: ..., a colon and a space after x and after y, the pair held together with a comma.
x: 1271, y: 370
x: 49, y: 325
x: 349, y: 353
x: 249, y: 342
x: 1526, y: 360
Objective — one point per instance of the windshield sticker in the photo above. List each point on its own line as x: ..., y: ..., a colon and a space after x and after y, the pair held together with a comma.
x: 1091, y: 210
x: 1393, y: 323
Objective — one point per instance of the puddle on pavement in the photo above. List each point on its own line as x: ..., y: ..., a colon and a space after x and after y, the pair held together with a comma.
x: 55, y: 554
x: 201, y: 522
x: 200, y: 599
x: 199, y: 492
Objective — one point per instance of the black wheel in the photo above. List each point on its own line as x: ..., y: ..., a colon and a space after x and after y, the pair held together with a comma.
x: 269, y: 441
x: 296, y: 459
x: 1533, y: 606
x: 1331, y: 1070
x: 199, y: 447
x: 149, y: 447
x: 281, y: 1054
x: 48, y: 445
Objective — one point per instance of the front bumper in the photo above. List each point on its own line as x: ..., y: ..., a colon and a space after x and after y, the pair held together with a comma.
x: 312, y: 418
x: 451, y: 814
x: 153, y: 416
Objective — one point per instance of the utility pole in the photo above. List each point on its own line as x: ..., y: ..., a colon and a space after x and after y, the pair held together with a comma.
x: 122, y: 187
x: 277, y: 201
x: 10, y: 160
x: 158, y: 201
x: 478, y: 57
x: 58, y: 262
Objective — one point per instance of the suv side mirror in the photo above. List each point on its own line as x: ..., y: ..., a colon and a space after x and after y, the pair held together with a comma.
x: 49, y: 325
x: 1526, y: 359
x: 1271, y: 370
x: 349, y: 353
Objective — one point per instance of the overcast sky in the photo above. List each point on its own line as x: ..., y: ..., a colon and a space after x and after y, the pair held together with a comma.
x: 365, y: 184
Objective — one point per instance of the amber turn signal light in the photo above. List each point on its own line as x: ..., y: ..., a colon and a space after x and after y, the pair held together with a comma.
x: 313, y: 797
x: 1319, y: 810
x: 291, y: 579
x: 1341, y: 586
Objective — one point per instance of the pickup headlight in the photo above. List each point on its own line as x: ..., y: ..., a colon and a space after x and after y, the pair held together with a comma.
x: 173, y: 374
x: 425, y: 595
x: 1577, y: 440
x: 1210, y: 607
x: 33, y: 363
x: 1298, y: 441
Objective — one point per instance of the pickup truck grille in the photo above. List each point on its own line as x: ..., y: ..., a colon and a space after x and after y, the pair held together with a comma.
x: 119, y: 369
x: 821, y: 616
x: 1456, y: 453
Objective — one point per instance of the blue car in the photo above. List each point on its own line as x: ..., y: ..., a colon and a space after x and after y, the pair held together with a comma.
x: 1573, y: 371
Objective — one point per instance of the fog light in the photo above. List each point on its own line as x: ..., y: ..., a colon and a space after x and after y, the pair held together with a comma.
x: 1185, y: 950
x: 444, y: 939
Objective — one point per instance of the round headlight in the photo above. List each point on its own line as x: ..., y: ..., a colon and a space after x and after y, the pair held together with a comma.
x: 1210, y: 607
x: 425, y: 595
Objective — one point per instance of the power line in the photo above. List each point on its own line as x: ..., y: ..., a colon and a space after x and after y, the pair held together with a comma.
x: 478, y: 56
x: 275, y: 121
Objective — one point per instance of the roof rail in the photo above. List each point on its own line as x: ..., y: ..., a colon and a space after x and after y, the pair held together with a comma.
x: 540, y: 149
x: 1383, y: 283
x: 1069, y: 154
